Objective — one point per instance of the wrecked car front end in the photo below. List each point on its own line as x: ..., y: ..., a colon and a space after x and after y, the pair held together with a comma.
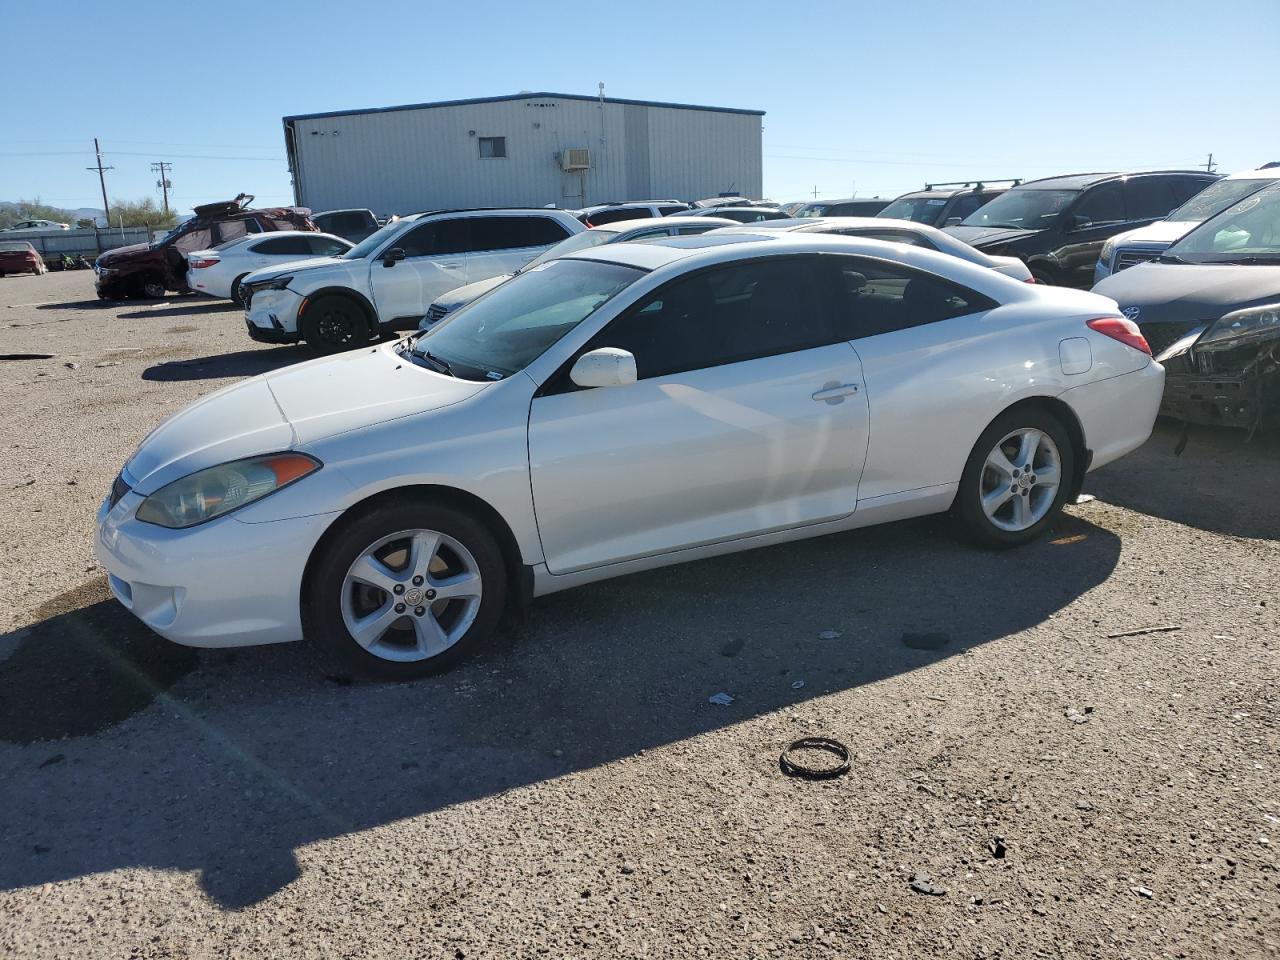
x: 1226, y: 372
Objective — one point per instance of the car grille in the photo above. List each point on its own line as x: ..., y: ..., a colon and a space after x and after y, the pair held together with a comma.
x: 119, y: 487
x: 1161, y: 336
x: 1131, y: 258
x: 435, y: 313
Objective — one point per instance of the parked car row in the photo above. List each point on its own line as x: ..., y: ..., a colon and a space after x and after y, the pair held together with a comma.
x: 621, y: 407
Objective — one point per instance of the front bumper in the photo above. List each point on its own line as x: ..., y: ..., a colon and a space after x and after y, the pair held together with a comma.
x: 274, y: 310
x: 226, y: 583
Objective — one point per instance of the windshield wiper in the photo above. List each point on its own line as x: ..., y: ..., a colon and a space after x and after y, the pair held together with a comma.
x: 1169, y: 258
x: 438, y: 364
x: 1251, y: 260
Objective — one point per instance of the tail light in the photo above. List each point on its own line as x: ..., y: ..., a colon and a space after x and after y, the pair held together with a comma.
x: 1030, y: 280
x: 197, y: 262
x: 1126, y: 331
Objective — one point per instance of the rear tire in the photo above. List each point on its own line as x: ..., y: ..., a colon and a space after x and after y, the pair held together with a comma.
x: 405, y: 589
x: 236, y: 294
x: 333, y: 323
x: 1016, y: 479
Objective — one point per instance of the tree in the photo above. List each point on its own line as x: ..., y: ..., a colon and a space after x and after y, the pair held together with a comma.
x: 32, y: 210
x: 140, y: 213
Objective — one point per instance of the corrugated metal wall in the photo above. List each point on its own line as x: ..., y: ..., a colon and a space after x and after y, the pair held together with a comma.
x: 401, y: 161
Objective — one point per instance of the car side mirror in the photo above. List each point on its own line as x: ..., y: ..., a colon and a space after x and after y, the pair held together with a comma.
x: 605, y: 367
x: 952, y: 221
x: 1079, y: 221
x: 392, y: 257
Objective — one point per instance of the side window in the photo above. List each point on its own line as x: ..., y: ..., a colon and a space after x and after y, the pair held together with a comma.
x: 889, y: 236
x: 440, y: 237
x: 601, y: 217
x: 284, y: 246
x: 963, y: 206
x: 724, y: 315
x: 324, y: 247
x: 1100, y: 206
x: 666, y: 211
x: 543, y: 231
x: 1149, y: 198
x: 492, y: 147
x: 873, y: 297
x: 695, y: 229
x: 1184, y: 188
x: 230, y: 230
x: 656, y: 233
x: 510, y: 233
x: 197, y: 239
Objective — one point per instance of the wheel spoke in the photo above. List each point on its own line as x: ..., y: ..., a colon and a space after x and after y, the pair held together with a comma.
x: 369, y: 629
x: 996, y: 499
x: 1021, y: 512
x: 998, y: 462
x: 422, y: 552
x: 369, y: 569
x: 1027, y: 446
x: 1048, y: 475
x: 430, y: 636
x: 463, y: 585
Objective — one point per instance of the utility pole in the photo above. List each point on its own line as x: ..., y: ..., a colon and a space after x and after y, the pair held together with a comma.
x: 106, y: 211
x: 815, y: 191
x: 162, y: 167
x: 1210, y: 165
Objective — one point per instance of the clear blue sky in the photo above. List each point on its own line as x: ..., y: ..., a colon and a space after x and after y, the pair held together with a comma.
x: 881, y: 95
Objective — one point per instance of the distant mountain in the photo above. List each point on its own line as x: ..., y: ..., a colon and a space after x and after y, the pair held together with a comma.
x: 71, y: 216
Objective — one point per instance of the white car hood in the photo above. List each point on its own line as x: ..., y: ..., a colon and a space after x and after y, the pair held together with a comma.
x: 1162, y: 231
x: 291, y: 408
x: 291, y: 267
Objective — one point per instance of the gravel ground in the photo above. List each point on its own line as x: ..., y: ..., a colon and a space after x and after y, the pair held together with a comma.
x: 573, y: 793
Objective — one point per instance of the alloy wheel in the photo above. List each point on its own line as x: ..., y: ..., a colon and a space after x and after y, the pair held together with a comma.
x: 1020, y: 479
x: 411, y: 595
x: 336, y: 326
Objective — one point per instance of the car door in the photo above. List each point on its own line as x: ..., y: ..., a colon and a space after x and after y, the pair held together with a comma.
x: 933, y: 374
x: 1097, y: 214
x: 748, y: 416
x: 435, y: 262
x: 503, y: 244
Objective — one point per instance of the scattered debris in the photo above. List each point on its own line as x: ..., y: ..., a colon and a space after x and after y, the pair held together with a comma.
x: 108, y: 363
x: 1223, y: 636
x: 925, y: 641
x: 1144, y: 630
x: 629, y: 867
x: 1083, y: 805
x: 56, y: 758
x: 923, y: 883
x: 829, y: 635
x: 71, y: 365
x: 24, y: 483
x: 1143, y: 892
x: 797, y: 685
x: 935, y: 698
x: 788, y: 764
x: 997, y: 847
x: 720, y: 699
x: 1077, y: 716
x: 1085, y: 498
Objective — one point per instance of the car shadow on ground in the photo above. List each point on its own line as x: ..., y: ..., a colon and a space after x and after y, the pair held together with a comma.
x: 79, y: 305
x: 185, y: 307
x: 244, y: 756
x: 1224, y: 481
x: 243, y: 363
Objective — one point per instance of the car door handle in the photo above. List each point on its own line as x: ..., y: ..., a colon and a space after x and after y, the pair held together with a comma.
x: 835, y: 392
x: 452, y: 265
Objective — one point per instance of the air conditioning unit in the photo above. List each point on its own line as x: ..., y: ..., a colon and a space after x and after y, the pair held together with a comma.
x: 576, y: 159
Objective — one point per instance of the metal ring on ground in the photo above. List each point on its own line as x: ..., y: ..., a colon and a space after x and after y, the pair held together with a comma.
x: 793, y: 769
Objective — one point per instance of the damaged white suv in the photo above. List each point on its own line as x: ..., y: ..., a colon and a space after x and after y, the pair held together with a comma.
x: 387, y: 281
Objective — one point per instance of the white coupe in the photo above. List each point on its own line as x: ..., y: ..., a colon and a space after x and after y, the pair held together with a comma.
x: 218, y: 272
x: 626, y: 407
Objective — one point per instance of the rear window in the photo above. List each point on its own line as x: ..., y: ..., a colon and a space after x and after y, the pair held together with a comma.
x: 352, y: 221
x: 601, y: 217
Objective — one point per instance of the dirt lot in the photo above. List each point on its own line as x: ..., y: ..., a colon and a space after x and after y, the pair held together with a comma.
x: 573, y: 793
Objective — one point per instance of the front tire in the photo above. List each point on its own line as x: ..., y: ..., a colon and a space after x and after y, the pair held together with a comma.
x: 406, y: 589
x: 1016, y: 479
x: 333, y: 323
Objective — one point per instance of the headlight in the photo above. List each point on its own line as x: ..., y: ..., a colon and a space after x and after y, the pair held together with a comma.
x: 1108, y: 249
x: 218, y: 490
x: 279, y: 283
x: 1242, y: 326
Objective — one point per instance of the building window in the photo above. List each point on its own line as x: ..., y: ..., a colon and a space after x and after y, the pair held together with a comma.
x: 493, y: 147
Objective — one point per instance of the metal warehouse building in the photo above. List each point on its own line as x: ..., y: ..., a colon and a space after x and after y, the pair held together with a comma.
x: 530, y: 149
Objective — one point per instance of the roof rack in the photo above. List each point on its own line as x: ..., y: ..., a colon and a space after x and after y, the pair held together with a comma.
x: 976, y: 184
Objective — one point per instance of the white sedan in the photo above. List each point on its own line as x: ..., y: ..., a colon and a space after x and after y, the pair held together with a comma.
x: 896, y: 231
x: 36, y: 226
x: 218, y: 272
x: 626, y: 407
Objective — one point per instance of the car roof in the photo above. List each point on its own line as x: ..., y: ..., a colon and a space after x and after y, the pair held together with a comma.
x: 546, y: 211
x: 1270, y: 171
x: 1079, y: 181
x: 648, y: 223
x: 628, y: 205
x: 813, y: 203
x: 871, y: 223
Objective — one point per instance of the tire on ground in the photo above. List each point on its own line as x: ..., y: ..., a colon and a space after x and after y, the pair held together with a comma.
x: 329, y: 642
x: 331, y: 323
x: 968, y: 509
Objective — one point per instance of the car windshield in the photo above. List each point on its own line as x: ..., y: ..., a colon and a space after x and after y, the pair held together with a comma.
x: 1023, y: 208
x: 809, y: 210
x: 1215, y: 198
x: 12, y: 247
x: 919, y: 209
x: 579, y: 241
x: 504, y: 331
x: 373, y: 241
x: 1248, y: 231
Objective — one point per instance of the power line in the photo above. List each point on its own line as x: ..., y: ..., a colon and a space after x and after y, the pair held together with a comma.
x: 197, y: 156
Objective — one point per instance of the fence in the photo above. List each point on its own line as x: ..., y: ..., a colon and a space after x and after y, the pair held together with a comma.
x: 90, y: 241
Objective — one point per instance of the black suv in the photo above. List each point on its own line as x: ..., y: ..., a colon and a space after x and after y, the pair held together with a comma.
x: 945, y: 204
x: 1057, y: 226
x: 848, y: 207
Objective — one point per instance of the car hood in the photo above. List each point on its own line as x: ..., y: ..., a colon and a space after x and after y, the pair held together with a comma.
x: 1169, y: 292
x: 289, y: 268
x: 988, y: 236
x: 1162, y: 231
x: 461, y: 296
x: 291, y: 408
x: 121, y: 254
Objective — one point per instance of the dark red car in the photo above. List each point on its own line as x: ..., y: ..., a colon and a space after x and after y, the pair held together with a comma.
x: 18, y: 256
x: 151, y: 269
